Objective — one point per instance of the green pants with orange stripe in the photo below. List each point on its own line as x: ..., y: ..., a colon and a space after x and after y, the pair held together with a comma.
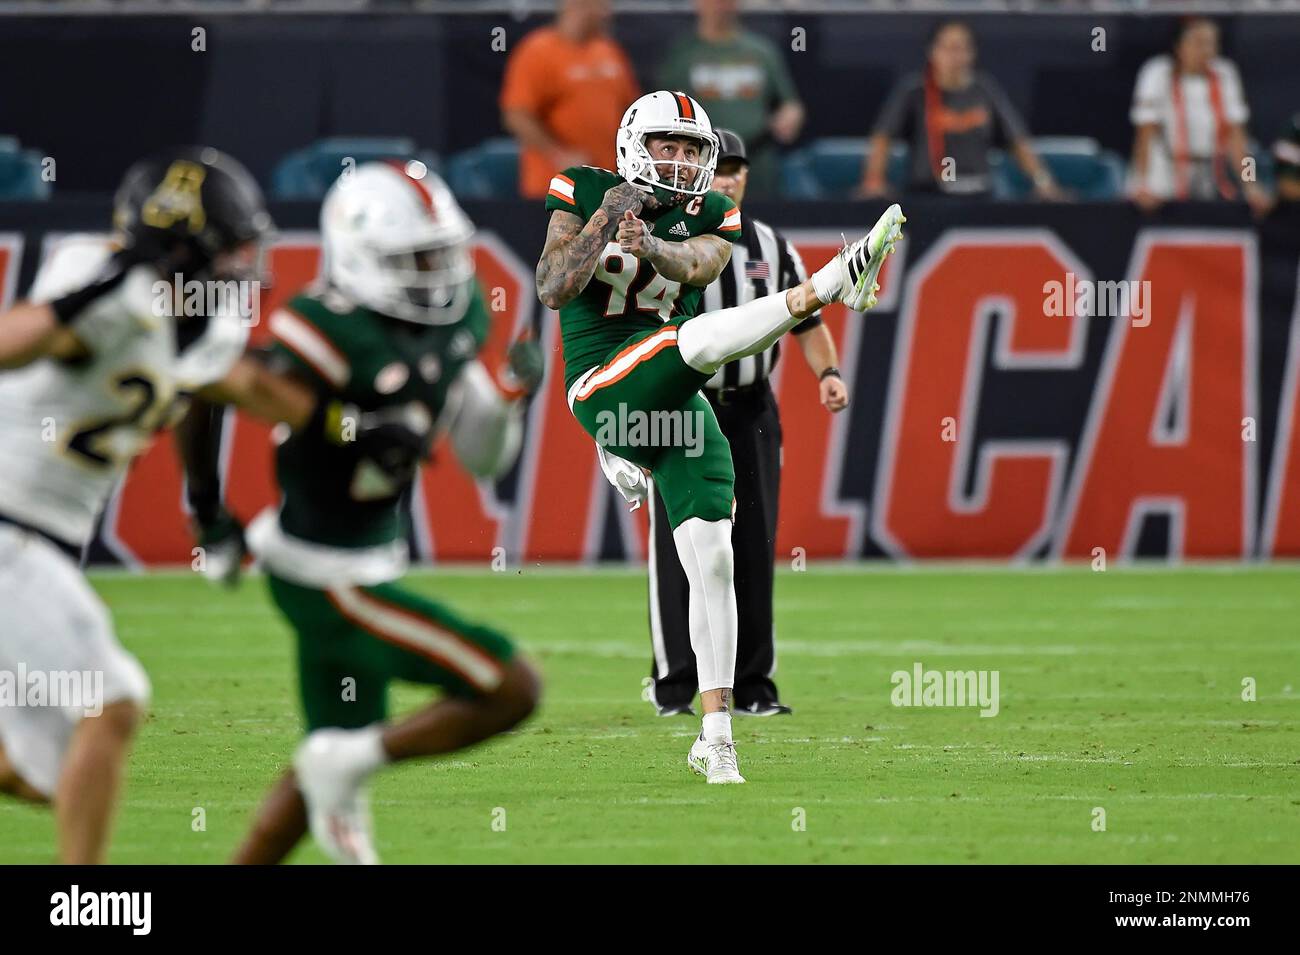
x: 353, y: 641
x: 643, y: 404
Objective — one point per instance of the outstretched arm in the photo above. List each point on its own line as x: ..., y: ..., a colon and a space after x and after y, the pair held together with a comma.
x: 29, y: 332
x: 264, y: 393
x: 696, y: 261
x: 572, y: 249
x: 260, y: 391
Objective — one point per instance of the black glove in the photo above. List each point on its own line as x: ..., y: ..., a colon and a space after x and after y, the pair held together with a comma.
x: 396, y: 439
x: 525, y: 366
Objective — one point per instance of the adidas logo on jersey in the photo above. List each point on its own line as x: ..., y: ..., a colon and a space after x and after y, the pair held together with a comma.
x: 680, y: 231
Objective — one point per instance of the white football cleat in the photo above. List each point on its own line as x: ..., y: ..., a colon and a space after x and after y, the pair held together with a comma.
x: 337, y: 806
x: 861, y: 261
x: 716, y: 762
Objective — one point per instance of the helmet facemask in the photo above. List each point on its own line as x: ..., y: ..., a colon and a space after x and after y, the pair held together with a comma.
x: 396, y: 242
x: 431, y: 284
x: 666, y: 178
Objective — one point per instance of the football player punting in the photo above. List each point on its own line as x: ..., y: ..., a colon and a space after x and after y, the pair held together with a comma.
x: 371, y: 367
x: 101, y: 357
x: 626, y: 260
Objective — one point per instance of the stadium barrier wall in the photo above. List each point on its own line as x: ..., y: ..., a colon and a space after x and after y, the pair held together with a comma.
x: 997, y: 410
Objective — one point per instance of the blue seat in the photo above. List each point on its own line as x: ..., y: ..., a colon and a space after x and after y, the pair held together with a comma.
x: 20, y: 172
x: 309, y: 172
x: 490, y: 170
x: 833, y: 167
x: 1077, y: 163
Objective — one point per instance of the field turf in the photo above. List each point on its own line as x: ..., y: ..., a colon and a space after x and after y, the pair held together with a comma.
x: 1120, y: 691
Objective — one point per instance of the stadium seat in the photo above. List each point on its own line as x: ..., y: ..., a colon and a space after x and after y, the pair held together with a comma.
x: 1078, y: 163
x: 309, y: 172
x: 832, y: 167
x: 20, y: 172
x: 488, y: 171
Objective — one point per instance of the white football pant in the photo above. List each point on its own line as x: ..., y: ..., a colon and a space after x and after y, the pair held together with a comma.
x: 54, y: 628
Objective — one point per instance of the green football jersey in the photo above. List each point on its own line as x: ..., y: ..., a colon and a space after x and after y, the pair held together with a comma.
x: 627, y: 295
x: 331, y: 494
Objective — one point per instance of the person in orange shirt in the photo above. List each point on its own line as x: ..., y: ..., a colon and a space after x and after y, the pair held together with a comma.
x: 565, y: 91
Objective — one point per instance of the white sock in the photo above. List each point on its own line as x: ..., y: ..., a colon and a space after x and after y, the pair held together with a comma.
x: 709, y: 341
x: 704, y: 548
x: 363, y: 750
x: 828, y: 281
x: 717, y: 727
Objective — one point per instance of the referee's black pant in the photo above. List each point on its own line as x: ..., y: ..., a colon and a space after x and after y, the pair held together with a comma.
x: 748, y: 417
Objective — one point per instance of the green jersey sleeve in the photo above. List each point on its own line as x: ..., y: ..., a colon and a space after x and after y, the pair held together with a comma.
x: 580, y: 190
x: 305, y: 336
x: 720, y: 217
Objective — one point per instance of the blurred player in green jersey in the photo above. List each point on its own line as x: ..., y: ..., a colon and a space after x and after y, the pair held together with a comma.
x: 368, y: 369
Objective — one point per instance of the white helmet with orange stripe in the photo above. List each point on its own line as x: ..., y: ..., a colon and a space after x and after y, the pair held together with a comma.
x: 665, y: 114
x: 396, y: 241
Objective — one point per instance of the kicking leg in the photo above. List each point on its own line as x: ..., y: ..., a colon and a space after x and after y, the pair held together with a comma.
x: 709, y: 341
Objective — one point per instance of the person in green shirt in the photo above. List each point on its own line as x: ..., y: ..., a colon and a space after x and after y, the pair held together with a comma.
x: 741, y: 80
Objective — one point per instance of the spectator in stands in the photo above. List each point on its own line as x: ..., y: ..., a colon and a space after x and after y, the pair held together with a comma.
x: 950, y: 114
x: 566, y: 88
x: 1190, y: 115
x: 1286, y: 159
x: 742, y: 81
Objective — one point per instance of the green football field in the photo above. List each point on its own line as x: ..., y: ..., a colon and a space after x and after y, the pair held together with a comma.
x: 1120, y: 693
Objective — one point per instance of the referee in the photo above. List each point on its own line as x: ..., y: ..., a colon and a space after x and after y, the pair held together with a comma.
x: 762, y: 262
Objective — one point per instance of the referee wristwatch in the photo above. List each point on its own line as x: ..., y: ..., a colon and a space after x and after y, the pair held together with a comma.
x: 831, y: 372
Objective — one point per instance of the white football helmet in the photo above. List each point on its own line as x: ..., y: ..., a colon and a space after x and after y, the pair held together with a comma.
x: 396, y: 241
x: 665, y: 113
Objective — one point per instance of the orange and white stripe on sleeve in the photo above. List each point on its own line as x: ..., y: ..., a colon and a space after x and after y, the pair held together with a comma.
x: 730, y: 222
x: 562, y: 188
x: 310, y: 344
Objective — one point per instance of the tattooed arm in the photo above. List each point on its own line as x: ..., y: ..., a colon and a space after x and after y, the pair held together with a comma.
x: 696, y: 261
x: 572, y: 249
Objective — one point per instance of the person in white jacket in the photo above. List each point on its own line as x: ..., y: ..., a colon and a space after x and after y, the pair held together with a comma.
x: 1190, y: 114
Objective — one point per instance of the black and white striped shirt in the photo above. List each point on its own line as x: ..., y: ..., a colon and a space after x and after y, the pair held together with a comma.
x: 762, y: 262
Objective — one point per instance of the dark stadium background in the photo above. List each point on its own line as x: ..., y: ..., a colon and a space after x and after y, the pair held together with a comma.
x: 98, y: 91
